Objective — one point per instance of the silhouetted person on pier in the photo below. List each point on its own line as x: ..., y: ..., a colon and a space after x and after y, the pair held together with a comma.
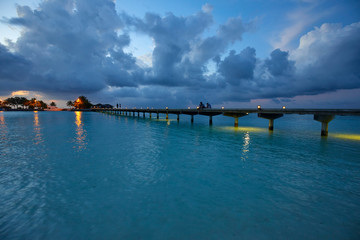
x: 201, y: 105
x: 208, y: 105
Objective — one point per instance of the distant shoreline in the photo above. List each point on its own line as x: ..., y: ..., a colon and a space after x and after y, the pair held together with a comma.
x: 46, y: 110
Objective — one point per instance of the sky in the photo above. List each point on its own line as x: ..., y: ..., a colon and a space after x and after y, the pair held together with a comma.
x: 232, y: 53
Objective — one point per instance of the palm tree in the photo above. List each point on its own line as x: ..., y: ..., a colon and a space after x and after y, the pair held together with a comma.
x: 69, y: 104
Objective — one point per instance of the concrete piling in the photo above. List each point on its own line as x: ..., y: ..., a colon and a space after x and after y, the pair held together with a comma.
x: 271, y: 117
x: 324, y: 119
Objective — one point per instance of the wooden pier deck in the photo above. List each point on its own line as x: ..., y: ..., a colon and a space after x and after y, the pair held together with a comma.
x: 322, y: 115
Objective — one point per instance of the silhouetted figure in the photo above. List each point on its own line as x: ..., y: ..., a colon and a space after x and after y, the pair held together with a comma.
x: 201, y: 105
x: 208, y: 105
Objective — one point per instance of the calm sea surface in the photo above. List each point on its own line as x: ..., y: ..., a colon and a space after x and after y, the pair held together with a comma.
x: 74, y: 175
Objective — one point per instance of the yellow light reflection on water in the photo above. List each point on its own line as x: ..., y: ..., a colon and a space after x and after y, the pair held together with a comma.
x: 243, y: 129
x: 3, y: 128
x: 80, y: 132
x: 166, y: 120
x: 2, y: 119
x: 78, y: 118
x: 38, y: 136
x: 36, y: 119
x: 353, y: 137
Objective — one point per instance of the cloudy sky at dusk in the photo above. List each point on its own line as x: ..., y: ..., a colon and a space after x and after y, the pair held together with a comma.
x: 235, y: 53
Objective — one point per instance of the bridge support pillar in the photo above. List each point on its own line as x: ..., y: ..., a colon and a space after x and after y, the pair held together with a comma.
x: 134, y: 114
x: 324, y: 119
x: 235, y: 116
x: 178, y: 117
x: 192, y: 118
x: 157, y: 115
x: 150, y: 115
x: 210, y: 121
x: 143, y: 114
x: 126, y: 113
x: 167, y: 116
x: 138, y: 114
x: 271, y: 124
x: 271, y: 117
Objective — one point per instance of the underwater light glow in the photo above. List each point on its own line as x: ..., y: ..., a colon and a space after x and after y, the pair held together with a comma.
x: 354, y: 137
x: 243, y: 129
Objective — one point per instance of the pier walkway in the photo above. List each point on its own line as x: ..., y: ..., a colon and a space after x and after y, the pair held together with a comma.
x: 322, y: 115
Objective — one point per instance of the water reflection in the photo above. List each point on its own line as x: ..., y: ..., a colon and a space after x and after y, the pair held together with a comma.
x: 3, y: 128
x: 80, y: 131
x: 242, y: 129
x: 246, y: 142
x: 2, y: 119
x: 246, y: 145
x: 37, y: 129
x: 354, y: 137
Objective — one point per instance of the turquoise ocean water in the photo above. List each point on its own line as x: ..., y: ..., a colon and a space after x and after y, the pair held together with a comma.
x: 84, y: 175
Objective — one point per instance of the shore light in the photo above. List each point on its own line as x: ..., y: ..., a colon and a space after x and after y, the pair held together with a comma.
x: 259, y: 107
x: 284, y: 107
x: 222, y: 107
x: 188, y: 107
x: 197, y: 107
x: 167, y: 108
x: 147, y: 108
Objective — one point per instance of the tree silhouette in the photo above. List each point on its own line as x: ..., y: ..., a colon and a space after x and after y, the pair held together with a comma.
x: 16, y: 101
x: 82, y: 103
x: 69, y: 104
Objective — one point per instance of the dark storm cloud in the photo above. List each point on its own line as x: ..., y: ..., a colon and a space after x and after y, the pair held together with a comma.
x: 71, y: 47
x: 75, y: 46
x: 236, y: 67
x: 180, y: 52
x: 279, y: 63
x: 230, y: 32
x: 13, y: 69
x: 12, y: 65
x: 173, y: 37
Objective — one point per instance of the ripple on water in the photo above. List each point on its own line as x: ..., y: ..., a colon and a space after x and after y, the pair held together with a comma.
x: 94, y: 176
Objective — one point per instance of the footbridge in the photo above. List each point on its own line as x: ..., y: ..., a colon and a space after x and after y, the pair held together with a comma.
x: 322, y: 115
